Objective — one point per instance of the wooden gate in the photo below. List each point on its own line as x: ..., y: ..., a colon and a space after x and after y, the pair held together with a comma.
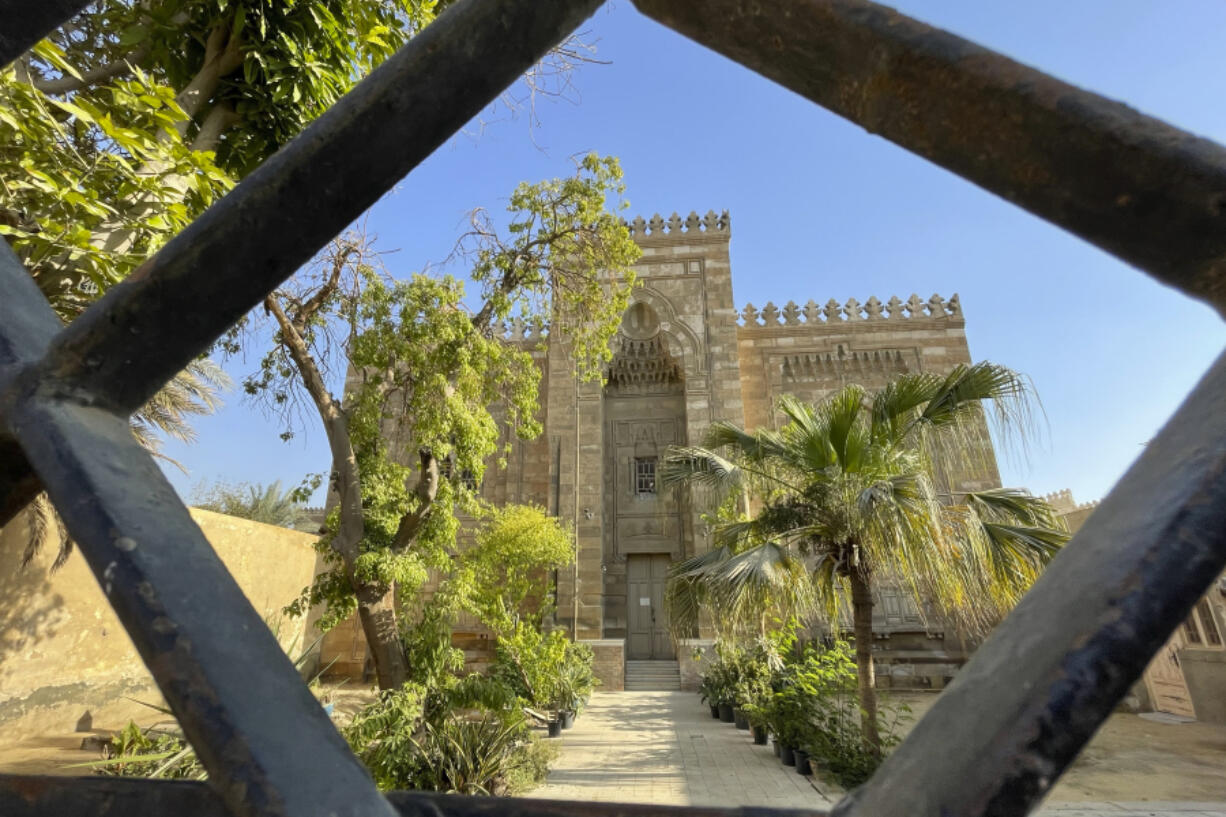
x: 647, y: 634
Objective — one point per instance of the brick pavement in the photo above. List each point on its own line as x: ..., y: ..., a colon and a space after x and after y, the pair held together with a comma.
x: 665, y: 748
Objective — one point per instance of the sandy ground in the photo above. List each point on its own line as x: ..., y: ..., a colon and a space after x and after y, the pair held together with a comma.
x: 1130, y: 759
x: 56, y: 753
x: 1135, y: 759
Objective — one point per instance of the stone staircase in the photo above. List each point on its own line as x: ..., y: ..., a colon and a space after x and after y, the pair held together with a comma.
x: 644, y: 676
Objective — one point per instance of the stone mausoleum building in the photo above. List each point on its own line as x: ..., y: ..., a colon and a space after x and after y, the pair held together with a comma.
x: 686, y: 356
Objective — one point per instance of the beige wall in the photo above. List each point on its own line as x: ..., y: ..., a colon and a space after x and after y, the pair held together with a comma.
x: 63, y: 653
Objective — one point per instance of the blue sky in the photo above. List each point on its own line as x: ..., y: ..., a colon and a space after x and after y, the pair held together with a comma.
x: 821, y: 209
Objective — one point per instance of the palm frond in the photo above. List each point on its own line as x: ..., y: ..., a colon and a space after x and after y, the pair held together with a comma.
x: 1013, y: 505
x: 191, y: 393
x: 701, y: 466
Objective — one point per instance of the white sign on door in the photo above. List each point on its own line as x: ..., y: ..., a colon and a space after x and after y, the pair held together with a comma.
x: 644, y: 602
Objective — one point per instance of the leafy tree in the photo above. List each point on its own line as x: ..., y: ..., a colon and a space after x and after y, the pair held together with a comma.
x: 127, y: 122
x: 508, y: 561
x: 846, y: 501
x: 260, y: 503
x: 435, y: 393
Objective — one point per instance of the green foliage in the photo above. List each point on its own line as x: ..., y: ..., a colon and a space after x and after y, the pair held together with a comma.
x: 849, y: 485
x: 546, y: 670
x: 435, y: 384
x: 529, y: 765
x: 260, y: 503
x: 79, y: 170
x: 837, y: 743
x: 152, y: 752
x: 466, y: 738
x: 117, y: 131
x: 508, y: 563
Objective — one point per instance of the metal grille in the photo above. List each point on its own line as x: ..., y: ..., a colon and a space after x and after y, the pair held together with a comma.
x: 645, y: 475
x: 1017, y: 714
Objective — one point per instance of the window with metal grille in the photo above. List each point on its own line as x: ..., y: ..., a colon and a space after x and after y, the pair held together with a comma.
x: 644, y: 475
x: 1208, y: 625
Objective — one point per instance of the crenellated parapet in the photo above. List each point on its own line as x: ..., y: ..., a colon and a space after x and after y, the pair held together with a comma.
x: 1060, y: 499
x: 517, y: 330
x: 676, y: 227
x: 811, y: 314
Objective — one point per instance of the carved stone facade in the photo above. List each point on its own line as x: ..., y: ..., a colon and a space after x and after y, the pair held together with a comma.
x: 686, y: 356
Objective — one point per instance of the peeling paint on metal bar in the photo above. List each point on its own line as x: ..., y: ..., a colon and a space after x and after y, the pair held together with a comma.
x: 1149, y: 193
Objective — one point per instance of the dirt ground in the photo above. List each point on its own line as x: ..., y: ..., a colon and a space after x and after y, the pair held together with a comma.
x: 1131, y: 759
x: 1134, y: 759
x: 60, y: 753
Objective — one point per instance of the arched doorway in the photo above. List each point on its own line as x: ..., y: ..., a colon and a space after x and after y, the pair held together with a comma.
x: 643, y: 413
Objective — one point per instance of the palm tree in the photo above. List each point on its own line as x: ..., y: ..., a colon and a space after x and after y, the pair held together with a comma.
x: 192, y: 392
x: 260, y: 503
x: 845, y: 500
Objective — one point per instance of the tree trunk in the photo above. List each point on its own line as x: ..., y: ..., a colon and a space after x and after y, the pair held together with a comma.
x: 377, y: 612
x: 862, y: 622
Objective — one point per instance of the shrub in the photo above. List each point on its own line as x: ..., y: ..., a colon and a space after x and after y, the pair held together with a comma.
x: 529, y: 765
x: 546, y: 670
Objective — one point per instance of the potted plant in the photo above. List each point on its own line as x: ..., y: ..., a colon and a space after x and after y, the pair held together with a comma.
x: 802, y: 762
x: 707, y: 695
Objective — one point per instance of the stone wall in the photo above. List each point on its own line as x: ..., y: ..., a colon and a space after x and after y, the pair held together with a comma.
x: 810, y: 351
x: 66, y: 661
x: 691, y: 652
x: 1205, y: 672
x: 609, y: 662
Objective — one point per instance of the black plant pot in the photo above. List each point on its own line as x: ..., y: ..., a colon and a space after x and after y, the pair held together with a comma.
x: 787, y: 755
x: 739, y: 718
x: 715, y: 711
x: 759, y: 735
x: 555, y: 728
x: 778, y: 747
x: 567, y: 718
x: 802, y: 762
x: 725, y: 713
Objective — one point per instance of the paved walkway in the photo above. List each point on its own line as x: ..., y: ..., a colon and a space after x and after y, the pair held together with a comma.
x: 665, y: 748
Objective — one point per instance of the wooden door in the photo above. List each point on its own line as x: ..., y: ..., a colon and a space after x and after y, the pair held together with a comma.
x: 647, y: 633
x: 1168, y: 690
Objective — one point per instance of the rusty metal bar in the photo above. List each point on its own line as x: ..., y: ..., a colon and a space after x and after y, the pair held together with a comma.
x: 29, y: 325
x: 265, y: 740
x: 106, y: 796
x: 1151, y: 194
x: 144, y: 330
x: 1019, y: 712
x: 28, y: 21
x: 123, y: 348
x: 65, y: 396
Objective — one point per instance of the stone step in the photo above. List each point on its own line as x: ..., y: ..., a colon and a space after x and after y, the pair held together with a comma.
x: 652, y: 676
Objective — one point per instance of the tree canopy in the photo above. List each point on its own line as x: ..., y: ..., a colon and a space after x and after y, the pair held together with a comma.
x: 435, y: 394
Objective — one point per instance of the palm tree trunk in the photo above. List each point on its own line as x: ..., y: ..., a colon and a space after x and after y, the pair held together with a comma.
x: 862, y: 623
